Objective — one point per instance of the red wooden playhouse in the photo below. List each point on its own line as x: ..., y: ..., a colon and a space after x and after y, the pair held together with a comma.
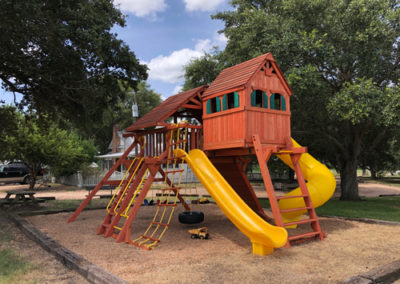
x: 244, y: 112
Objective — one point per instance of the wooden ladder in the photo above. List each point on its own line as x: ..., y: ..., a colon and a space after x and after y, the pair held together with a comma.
x: 263, y: 154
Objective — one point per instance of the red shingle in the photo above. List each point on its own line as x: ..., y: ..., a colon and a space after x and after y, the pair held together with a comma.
x: 165, y: 109
x: 240, y: 74
x: 235, y: 76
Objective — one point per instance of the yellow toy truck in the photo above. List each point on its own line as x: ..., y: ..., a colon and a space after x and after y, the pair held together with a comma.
x: 201, y: 233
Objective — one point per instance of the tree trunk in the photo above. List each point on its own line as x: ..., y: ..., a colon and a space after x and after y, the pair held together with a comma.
x: 349, y: 182
x: 373, y: 174
x: 33, y: 177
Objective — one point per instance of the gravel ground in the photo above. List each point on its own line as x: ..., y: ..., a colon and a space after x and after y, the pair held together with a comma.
x: 350, y: 248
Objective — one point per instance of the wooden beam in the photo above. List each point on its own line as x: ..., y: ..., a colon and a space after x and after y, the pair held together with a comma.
x: 195, y: 101
x: 192, y: 106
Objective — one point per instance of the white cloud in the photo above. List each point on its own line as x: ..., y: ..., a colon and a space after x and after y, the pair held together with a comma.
x: 170, y: 68
x: 177, y: 90
x: 220, y: 40
x: 202, y: 5
x: 141, y: 8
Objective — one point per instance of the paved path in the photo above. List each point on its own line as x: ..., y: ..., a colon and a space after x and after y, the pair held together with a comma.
x: 365, y: 189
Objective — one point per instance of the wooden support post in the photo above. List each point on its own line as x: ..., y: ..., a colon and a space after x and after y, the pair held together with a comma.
x: 125, y: 234
x: 122, y: 191
x: 127, y: 198
x: 263, y: 158
x: 101, y: 183
x: 174, y: 190
x: 304, y: 191
x: 241, y: 164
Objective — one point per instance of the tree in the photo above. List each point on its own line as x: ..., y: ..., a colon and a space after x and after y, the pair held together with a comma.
x: 342, y: 60
x: 63, y: 59
x: 38, y: 143
x: 101, y: 130
x: 202, y: 71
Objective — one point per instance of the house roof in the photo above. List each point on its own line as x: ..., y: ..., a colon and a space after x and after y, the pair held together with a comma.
x: 166, y: 109
x: 240, y: 74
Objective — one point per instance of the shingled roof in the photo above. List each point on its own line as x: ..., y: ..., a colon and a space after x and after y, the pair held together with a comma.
x: 166, y: 109
x: 240, y: 74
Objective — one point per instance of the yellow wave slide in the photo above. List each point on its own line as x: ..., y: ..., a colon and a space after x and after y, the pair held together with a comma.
x: 263, y: 236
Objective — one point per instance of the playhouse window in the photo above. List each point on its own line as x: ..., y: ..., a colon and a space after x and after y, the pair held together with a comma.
x: 230, y: 101
x: 259, y: 99
x: 277, y: 101
x: 213, y: 105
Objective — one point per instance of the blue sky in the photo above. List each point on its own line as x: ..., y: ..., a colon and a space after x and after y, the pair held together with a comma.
x: 165, y: 35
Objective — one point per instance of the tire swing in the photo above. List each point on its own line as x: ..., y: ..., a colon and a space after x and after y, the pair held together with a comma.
x: 191, y: 217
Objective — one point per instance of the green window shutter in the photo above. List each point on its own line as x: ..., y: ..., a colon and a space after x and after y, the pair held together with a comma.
x: 272, y: 101
x: 208, y: 106
x: 218, y: 104
x: 224, y: 103
x: 253, y: 98
x: 283, y: 103
x: 265, y: 99
x: 235, y: 99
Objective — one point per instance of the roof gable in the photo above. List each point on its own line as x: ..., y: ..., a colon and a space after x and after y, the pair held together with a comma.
x: 166, y: 109
x: 241, y: 74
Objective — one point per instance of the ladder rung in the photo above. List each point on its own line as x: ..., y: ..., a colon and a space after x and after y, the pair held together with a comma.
x: 302, y: 236
x: 305, y: 221
x: 292, y: 196
x: 170, y: 195
x: 166, y: 204
x: 160, y: 224
x: 174, y: 158
x: 170, y: 188
x: 179, y: 142
x: 140, y: 246
x: 150, y: 238
x: 118, y: 228
x: 174, y: 171
x: 295, y: 209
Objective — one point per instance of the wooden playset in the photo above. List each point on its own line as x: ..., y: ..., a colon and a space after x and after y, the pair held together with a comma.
x: 244, y: 112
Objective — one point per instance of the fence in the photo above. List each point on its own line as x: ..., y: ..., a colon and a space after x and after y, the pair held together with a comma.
x: 88, y: 181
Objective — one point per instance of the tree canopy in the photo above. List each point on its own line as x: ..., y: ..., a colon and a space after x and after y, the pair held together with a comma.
x: 101, y: 130
x: 64, y: 59
x: 342, y: 60
x: 38, y: 143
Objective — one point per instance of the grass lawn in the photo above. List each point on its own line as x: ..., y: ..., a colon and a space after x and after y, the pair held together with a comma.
x: 73, y: 204
x: 381, y: 208
x: 12, y: 266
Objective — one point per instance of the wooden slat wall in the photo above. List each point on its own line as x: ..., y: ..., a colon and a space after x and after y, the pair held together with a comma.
x: 224, y: 131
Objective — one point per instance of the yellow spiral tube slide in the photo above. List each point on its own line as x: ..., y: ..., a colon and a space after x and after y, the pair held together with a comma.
x: 321, y: 185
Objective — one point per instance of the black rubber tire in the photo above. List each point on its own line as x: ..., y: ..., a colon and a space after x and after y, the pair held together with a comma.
x: 193, y: 236
x: 193, y: 217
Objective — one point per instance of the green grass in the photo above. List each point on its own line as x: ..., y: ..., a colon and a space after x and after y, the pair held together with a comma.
x: 73, y: 204
x: 381, y: 208
x: 11, y: 266
x: 5, y: 235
